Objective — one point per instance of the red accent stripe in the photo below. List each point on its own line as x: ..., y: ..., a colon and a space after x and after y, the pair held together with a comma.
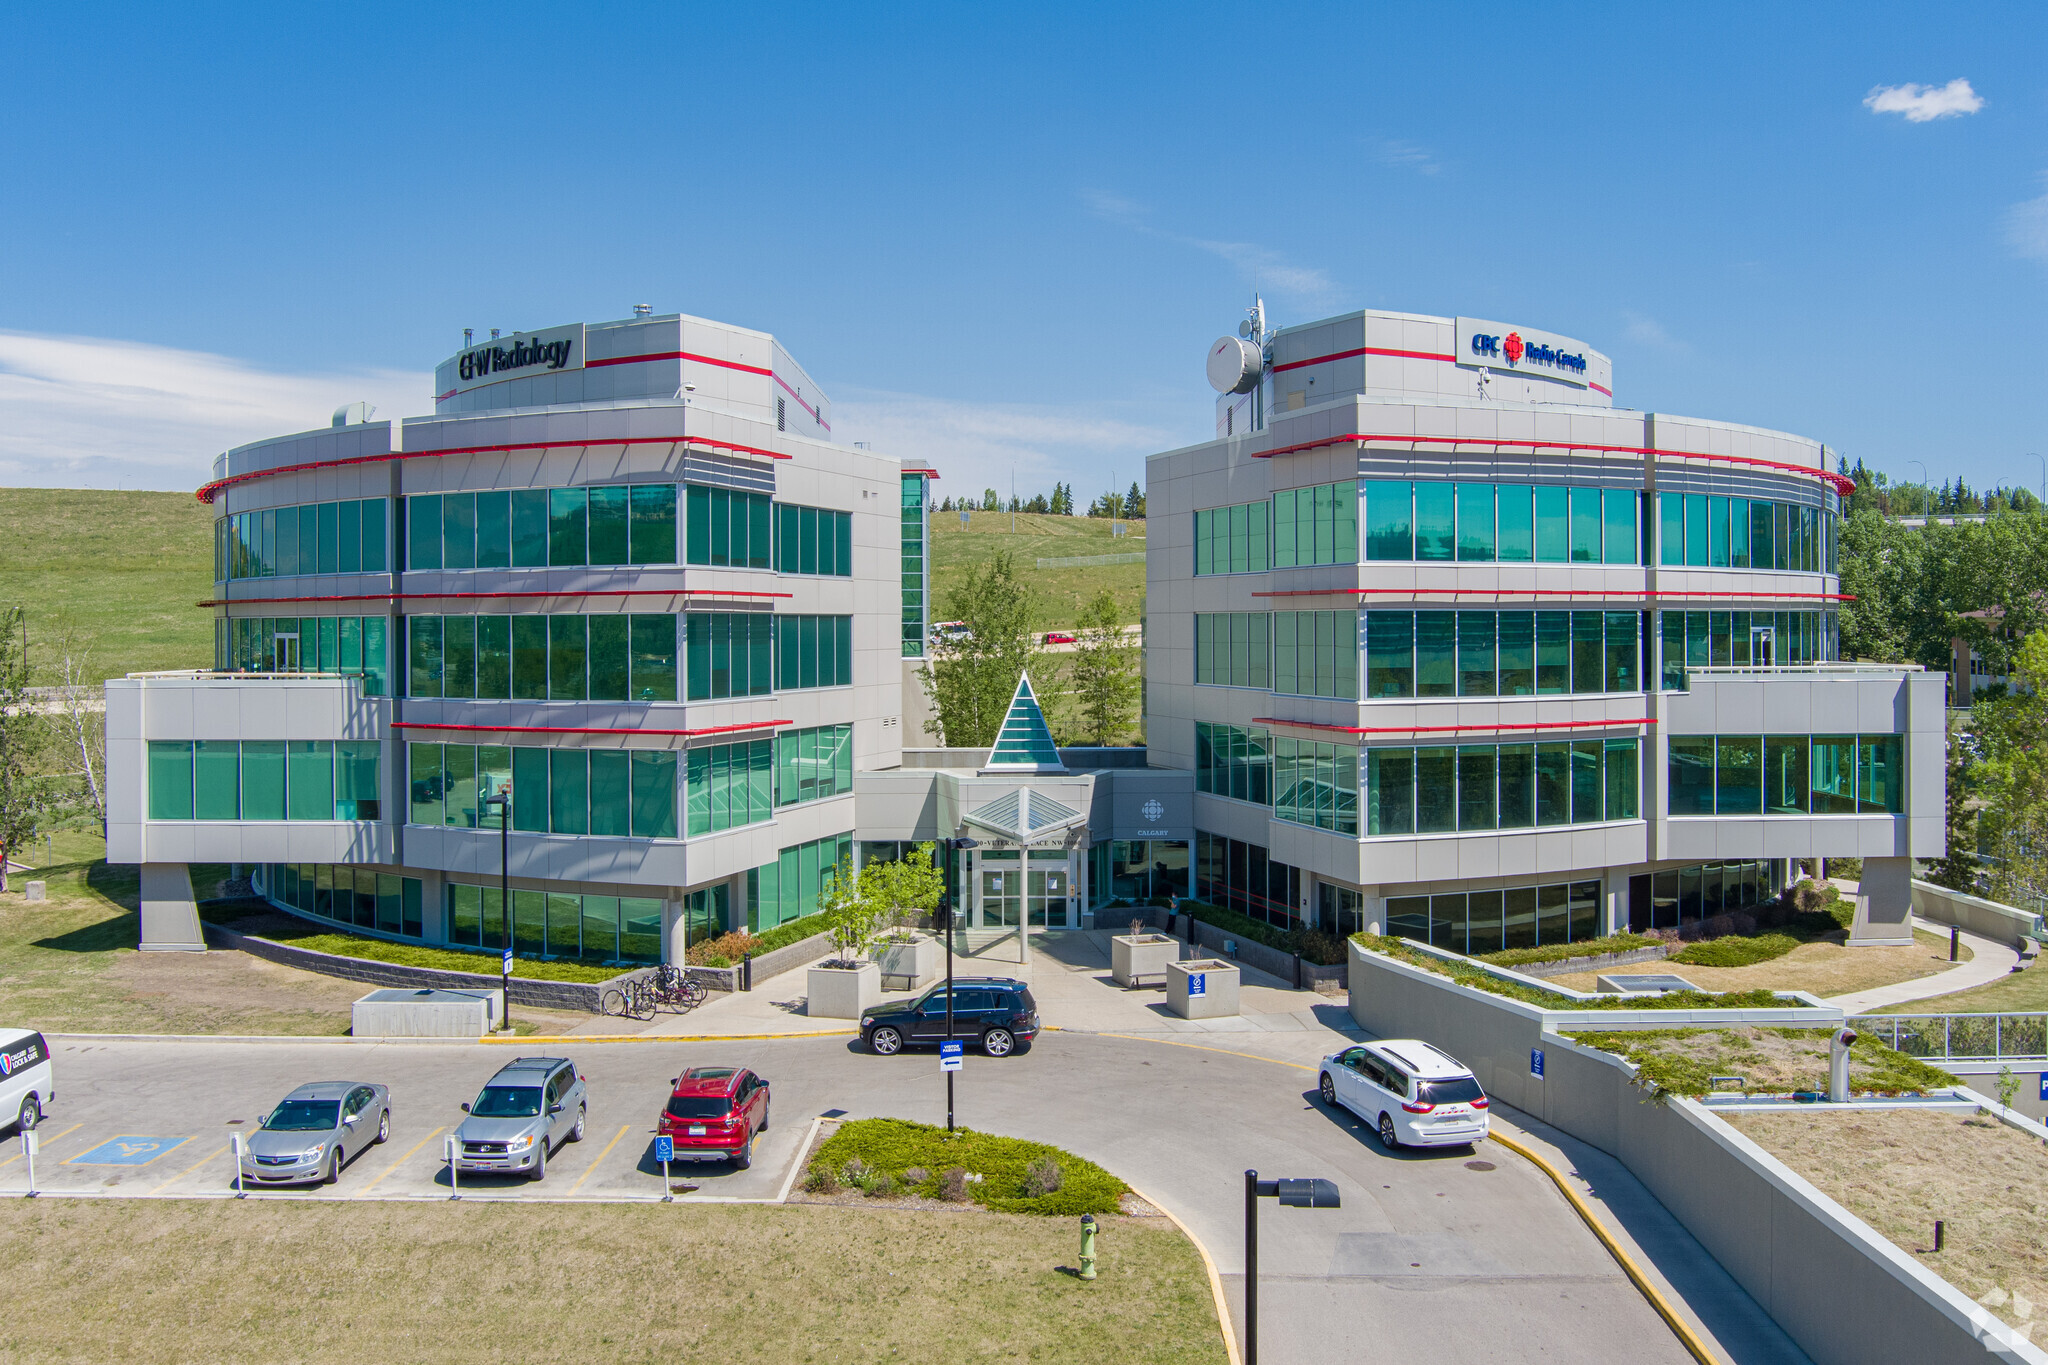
x: 1842, y: 485
x: 928, y: 473
x: 583, y: 730
x: 1363, y: 350
x: 1560, y: 592
x: 479, y: 596
x: 676, y: 355
x: 1448, y: 729
x: 1599, y: 388
x: 802, y: 404
x: 207, y: 492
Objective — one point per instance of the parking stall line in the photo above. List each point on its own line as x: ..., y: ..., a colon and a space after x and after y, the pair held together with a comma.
x: 67, y: 1132
x: 623, y: 1130
x: 187, y: 1171
x: 365, y: 1190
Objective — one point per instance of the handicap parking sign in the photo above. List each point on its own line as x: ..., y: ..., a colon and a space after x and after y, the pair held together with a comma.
x: 1198, y: 983
x: 950, y: 1053
x: 127, y: 1151
x: 664, y: 1149
x: 2044, y: 1085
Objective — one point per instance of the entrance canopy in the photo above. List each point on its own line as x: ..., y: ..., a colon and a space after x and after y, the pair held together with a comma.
x: 1025, y: 816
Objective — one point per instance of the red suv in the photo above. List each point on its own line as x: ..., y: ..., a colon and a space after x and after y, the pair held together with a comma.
x: 714, y: 1114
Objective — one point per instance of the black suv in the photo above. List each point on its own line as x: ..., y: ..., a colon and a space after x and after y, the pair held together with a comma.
x: 998, y: 1010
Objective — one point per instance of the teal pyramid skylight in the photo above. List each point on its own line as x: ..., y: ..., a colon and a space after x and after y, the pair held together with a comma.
x: 1024, y: 744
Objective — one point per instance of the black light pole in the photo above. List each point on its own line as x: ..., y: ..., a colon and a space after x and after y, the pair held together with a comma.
x: 1304, y: 1193
x: 945, y: 918
x: 503, y: 801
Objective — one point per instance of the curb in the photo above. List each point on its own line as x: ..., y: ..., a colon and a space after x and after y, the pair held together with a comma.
x: 1679, y: 1328
x: 1208, y: 1264
x: 328, y: 1038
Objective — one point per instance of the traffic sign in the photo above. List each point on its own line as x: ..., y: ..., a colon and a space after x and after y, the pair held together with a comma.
x: 1198, y: 983
x: 1536, y: 1062
x: 950, y: 1053
x: 2044, y: 1085
x: 508, y: 962
x: 664, y: 1149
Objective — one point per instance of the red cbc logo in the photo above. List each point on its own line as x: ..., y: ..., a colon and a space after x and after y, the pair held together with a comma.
x: 1513, y: 346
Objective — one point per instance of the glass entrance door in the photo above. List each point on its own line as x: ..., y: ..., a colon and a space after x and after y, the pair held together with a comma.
x: 287, y: 653
x: 1002, y: 889
x: 1049, y: 897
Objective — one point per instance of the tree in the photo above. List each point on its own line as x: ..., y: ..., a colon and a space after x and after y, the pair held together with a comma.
x: 971, y: 677
x: 1134, y: 502
x: 851, y: 918
x: 1958, y: 866
x: 2012, y: 780
x: 21, y: 741
x: 899, y: 885
x: 1104, y: 672
x: 80, y: 699
x: 989, y: 501
x: 1110, y: 504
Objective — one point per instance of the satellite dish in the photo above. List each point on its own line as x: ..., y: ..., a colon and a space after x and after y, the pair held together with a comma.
x: 1244, y: 329
x: 1235, y: 365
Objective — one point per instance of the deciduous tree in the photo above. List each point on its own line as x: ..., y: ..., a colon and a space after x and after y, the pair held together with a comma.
x: 1103, y: 671
x: 22, y: 737
x: 972, y: 676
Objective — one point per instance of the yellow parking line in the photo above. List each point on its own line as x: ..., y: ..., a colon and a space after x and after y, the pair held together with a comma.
x: 187, y: 1171
x: 17, y: 1156
x: 600, y: 1157
x: 396, y: 1164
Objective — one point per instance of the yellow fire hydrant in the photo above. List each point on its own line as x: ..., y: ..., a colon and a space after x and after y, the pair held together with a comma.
x: 1087, y: 1246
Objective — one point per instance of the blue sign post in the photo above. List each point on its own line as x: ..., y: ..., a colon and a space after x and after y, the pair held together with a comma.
x: 665, y: 1152
x: 1536, y: 1062
x: 950, y: 1053
x: 2044, y: 1085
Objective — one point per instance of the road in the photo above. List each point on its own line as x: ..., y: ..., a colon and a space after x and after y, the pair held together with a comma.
x: 1470, y: 1254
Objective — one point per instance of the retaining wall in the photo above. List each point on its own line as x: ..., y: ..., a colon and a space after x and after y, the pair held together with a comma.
x: 1844, y: 1294
x: 2003, y: 923
x: 799, y: 954
x: 1272, y: 961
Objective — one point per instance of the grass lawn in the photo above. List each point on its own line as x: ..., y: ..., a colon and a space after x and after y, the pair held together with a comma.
x: 1899, y: 1171
x: 1772, y: 1060
x: 1824, y: 967
x: 192, y: 1280
x: 128, y: 567
x: 319, y: 938
x: 1062, y: 591
x: 2014, y: 993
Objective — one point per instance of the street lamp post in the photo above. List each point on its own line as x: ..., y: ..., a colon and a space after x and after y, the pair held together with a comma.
x: 1300, y: 1193
x: 503, y: 801
x: 944, y: 917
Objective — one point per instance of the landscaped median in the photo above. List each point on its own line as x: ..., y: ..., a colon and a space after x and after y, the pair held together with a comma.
x: 896, y: 1159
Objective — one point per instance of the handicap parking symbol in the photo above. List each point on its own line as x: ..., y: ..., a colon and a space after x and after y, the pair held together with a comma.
x: 127, y: 1151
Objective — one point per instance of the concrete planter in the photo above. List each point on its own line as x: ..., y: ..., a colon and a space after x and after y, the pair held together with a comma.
x: 1132, y: 956
x: 917, y: 961
x: 842, y: 992
x: 1203, y: 988
x: 425, y: 1013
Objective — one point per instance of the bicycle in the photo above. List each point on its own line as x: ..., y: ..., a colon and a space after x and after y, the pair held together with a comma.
x: 634, y: 1000
x: 673, y: 989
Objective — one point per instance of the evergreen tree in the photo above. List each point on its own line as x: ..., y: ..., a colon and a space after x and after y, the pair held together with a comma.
x: 1134, y: 502
x: 1104, y: 672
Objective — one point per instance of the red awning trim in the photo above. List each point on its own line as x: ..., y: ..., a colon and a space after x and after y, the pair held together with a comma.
x: 1450, y: 729
x: 1609, y: 595
x: 480, y: 596
x: 1840, y: 483
x: 207, y: 492
x: 588, y: 730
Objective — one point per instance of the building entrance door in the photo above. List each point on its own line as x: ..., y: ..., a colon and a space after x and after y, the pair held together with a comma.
x: 1763, y: 646
x: 1002, y: 891
x: 287, y: 653
x: 1048, y: 897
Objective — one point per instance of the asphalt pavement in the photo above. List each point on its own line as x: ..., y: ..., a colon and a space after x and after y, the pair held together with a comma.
x: 1468, y: 1254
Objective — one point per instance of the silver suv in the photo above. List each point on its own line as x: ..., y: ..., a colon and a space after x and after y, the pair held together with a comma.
x: 528, y: 1109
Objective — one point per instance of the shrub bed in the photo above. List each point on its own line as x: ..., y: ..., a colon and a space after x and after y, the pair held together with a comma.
x: 1010, y: 1175
x: 440, y: 959
x: 1558, y: 952
x: 1466, y: 975
x: 1314, y: 945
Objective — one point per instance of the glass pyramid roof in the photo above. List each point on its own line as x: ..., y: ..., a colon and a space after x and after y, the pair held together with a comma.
x: 1025, y: 741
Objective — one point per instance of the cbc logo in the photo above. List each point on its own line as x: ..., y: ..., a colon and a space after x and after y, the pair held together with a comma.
x: 1510, y: 346
x: 1151, y: 810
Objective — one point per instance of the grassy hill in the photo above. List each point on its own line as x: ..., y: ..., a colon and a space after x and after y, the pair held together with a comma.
x: 126, y: 567
x: 129, y: 567
x: 1062, y: 591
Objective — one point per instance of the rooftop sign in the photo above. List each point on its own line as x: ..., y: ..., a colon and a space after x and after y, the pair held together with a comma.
x: 519, y: 356
x: 1510, y: 349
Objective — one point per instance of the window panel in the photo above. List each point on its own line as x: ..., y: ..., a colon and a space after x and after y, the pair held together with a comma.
x: 1553, y: 524
x: 458, y: 799
x: 568, y: 540
x: 1390, y: 791
x: 423, y: 532
x: 1585, y: 526
x: 653, y: 512
x: 611, y: 792
x: 494, y: 657
x: 1691, y: 776
x: 1553, y: 784
x: 309, y: 775
x: 216, y: 780
x: 1436, y: 662
x: 1475, y: 522
x: 1390, y: 532
x: 1517, y: 517
x: 1588, y: 652
x: 610, y: 653
x: 530, y: 528
x: 1476, y: 665
x: 263, y: 780
x: 1586, y: 789
x: 425, y: 633
x: 1436, y: 790
x: 568, y: 660
x: 1620, y: 672
x: 1738, y: 780
x: 458, y: 655
x: 530, y: 658
x: 330, y: 539
x: 1880, y: 774
x: 1618, y: 510
x: 1623, y: 771
x: 493, y: 530
x: 1476, y: 808
x: 426, y: 779
x: 1786, y: 782
x: 1517, y: 765
x: 1390, y: 654
x: 1435, y: 521
x: 1717, y: 532
x: 1517, y: 634
x: 458, y: 530
x: 530, y: 790
x: 493, y: 778
x: 1698, y: 544
x: 568, y: 791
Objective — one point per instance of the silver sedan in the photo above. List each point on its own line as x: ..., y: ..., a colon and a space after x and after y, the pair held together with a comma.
x: 313, y: 1132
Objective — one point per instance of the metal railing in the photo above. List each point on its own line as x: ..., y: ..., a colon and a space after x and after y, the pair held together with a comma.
x: 233, y: 675
x: 1826, y: 666
x: 1090, y: 561
x: 1959, y: 1037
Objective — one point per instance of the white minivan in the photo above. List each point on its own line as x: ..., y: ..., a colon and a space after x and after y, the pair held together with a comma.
x: 26, y: 1082
x: 1415, y: 1095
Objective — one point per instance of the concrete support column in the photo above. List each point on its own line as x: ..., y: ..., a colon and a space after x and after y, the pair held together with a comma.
x: 1884, y: 905
x: 170, y: 915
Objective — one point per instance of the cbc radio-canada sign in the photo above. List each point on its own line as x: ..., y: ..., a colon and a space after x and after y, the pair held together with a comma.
x: 1152, y: 812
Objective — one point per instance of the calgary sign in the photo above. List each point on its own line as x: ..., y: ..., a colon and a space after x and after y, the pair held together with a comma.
x: 515, y: 357
x: 1523, y: 350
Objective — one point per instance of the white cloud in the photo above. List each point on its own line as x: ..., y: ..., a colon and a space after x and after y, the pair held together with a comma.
x: 1409, y: 157
x: 1261, y: 266
x: 89, y: 412
x: 976, y: 445
x: 1925, y: 103
x: 1647, y: 331
x: 2026, y: 228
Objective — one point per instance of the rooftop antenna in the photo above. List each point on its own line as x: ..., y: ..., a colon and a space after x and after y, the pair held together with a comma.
x: 494, y: 334
x: 468, y: 337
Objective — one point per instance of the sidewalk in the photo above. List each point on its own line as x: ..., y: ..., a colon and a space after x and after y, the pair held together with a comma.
x: 1993, y: 960
x: 1069, y: 974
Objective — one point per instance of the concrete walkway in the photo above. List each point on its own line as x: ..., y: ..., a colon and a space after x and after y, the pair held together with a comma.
x: 1993, y: 960
x: 1069, y: 975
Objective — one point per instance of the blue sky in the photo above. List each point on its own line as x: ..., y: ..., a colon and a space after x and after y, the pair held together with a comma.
x: 1006, y: 237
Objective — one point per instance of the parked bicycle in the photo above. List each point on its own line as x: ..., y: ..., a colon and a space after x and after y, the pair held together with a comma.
x: 669, y: 988
x: 632, y: 999
x: 674, y: 990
